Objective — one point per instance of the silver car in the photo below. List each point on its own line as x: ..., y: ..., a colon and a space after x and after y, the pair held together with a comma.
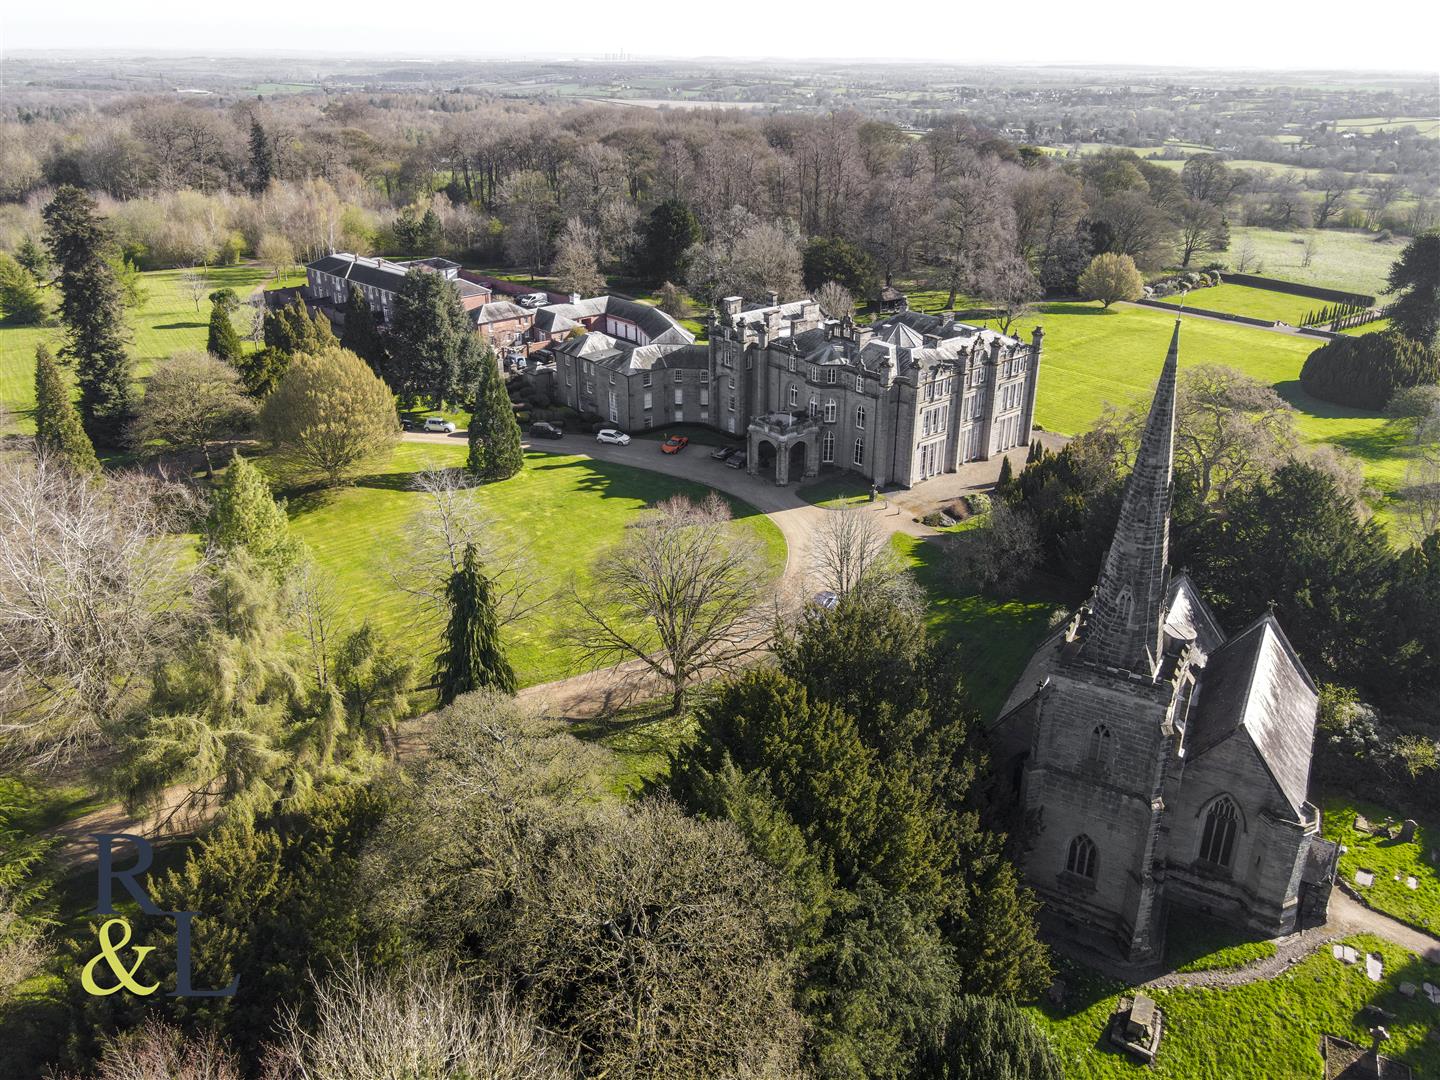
x: 612, y: 436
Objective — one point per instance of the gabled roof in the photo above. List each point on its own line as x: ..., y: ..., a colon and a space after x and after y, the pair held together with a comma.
x: 388, y: 276
x: 659, y: 327
x: 1255, y: 687
x: 1189, y: 618
x: 499, y: 311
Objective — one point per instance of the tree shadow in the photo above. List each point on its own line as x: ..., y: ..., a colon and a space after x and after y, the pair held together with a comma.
x: 612, y: 480
x: 181, y: 325
x: 1075, y: 308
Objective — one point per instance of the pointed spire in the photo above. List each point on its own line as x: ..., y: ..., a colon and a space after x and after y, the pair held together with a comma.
x: 1125, y: 625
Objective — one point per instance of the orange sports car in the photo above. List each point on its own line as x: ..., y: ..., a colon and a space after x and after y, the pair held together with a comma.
x: 673, y: 444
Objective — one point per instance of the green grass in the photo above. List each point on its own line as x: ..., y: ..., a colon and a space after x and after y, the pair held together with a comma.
x: 835, y: 488
x: 1195, y: 943
x: 996, y: 638
x: 1386, y: 858
x: 1343, y: 259
x: 1268, y: 1030
x: 564, y: 509
x: 1093, y: 357
x: 165, y: 323
x: 1243, y: 300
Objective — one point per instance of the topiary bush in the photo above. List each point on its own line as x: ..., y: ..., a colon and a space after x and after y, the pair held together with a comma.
x: 1363, y: 372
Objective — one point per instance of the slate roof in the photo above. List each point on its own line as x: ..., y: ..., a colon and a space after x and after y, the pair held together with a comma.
x: 658, y: 327
x: 498, y: 311
x: 383, y: 274
x: 1188, y: 617
x: 1255, y: 685
x: 625, y: 357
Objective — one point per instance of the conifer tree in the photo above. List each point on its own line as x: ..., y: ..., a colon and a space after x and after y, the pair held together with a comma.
x: 262, y: 157
x: 58, y: 430
x: 245, y: 516
x: 472, y: 656
x: 1007, y: 475
x: 224, y: 341
x: 361, y: 335
x: 436, y: 352
x: 92, y: 309
x: 495, y: 452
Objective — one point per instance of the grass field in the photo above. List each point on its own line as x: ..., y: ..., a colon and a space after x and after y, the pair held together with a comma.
x: 996, y: 638
x: 1342, y: 259
x: 1196, y: 943
x: 1243, y: 300
x: 165, y: 323
x: 1369, y: 125
x: 1268, y: 1030
x: 564, y: 509
x: 1093, y: 356
x: 1388, y: 859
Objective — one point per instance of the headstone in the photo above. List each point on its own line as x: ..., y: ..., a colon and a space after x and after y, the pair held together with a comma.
x: 1373, y: 967
x: 1407, y: 830
x: 1338, y: 951
x: 1432, y: 992
x: 1350, y: 955
x: 1412, y: 883
x: 1407, y: 989
x: 1364, y: 878
x: 1362, y: 823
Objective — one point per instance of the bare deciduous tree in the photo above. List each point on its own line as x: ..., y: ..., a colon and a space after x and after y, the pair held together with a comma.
x: 90, y: 589
x: 453, y: 517
x: 835, y: 300
x: 851, y: 550
x: 158, y: 1051
x: 196, y: 283
x: 1002, y: 552
x: 1420, y: 497
x: 682, y: 594
x: 417, y: 1021
x: 191, y: 400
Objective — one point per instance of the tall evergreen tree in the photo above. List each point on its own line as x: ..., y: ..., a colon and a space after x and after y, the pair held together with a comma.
x: 472, y: 656
x: 670, y: 232
x: 245, y: 516
x: 92, y: 309
x: 1416, y: 278
x: 495, y: 452
x: 223, y: 341
x: 361, y: 335
x: 435, y: 349
x: 58, y: 430
x: 262, y: 157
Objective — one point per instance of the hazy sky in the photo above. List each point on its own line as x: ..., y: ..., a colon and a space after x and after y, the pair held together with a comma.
x: 1402, y: 34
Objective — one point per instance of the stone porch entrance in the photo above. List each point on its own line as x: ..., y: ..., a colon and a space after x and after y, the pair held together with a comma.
x: 785, y: 442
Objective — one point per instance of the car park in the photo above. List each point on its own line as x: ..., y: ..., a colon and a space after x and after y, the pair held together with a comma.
x: 673, y: 444
x: 543, y: 430
x: 613, y: 436
x: 438, y: 425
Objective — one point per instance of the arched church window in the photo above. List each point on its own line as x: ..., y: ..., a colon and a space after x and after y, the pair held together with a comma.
x: 1100, y: 743
x: 1217, y: 844
x: 1081, y: 859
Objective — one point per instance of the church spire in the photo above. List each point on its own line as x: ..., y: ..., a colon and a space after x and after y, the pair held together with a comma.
x: 1125, y: 625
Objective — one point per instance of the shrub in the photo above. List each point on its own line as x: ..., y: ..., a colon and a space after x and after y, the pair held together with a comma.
x: 1364, y: 372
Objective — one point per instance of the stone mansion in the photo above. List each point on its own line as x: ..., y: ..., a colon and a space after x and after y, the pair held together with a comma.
x: 1158, y: 761
x: 897, y: 402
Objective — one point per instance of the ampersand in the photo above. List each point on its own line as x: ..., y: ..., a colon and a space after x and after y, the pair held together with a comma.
x: 110, y: 953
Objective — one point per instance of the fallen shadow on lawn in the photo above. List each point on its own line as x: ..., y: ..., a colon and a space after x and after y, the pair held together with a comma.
x: 612, y: 480
x: 180, y: 326
x: 1076, y: 309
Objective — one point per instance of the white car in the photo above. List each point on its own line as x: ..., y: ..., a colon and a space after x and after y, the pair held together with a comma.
x: 438, y: 425
x: 610, y: 435
x: 534, y: 300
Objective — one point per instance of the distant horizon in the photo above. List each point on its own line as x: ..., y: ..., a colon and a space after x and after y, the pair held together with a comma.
x: 1226, y: 35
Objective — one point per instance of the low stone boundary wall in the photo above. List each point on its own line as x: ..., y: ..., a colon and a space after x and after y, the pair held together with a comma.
x: 1295, y: 288
x: 1206, y: 311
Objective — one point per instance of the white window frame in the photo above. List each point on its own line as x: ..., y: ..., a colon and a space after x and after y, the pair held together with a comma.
x: 858, y: 457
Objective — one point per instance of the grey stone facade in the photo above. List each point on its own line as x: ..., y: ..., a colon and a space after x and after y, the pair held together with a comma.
x: 911, y: 397
x: 1160, y: 761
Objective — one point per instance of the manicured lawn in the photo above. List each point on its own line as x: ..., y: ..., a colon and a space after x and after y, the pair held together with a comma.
x: 1386, y: 859
x: 1093, y: 357
x: 1266, y: 1030
x: 165, y: 323
x: 1351, y: 260
x: 564, y: 509
x: 839, y: 487
x: 996, y: 638
x: 1243, y: 300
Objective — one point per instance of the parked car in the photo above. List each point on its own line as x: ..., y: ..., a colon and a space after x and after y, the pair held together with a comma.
x: 542, y: 430
x: 724, y: 452
x: 673, y: 444
x: 533, y: 300
x: 438, y: 425
x: 736, y: 461
x: 612, y: 436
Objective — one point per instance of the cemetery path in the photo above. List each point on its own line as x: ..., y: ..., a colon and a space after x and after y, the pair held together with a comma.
x: 1347, y: 917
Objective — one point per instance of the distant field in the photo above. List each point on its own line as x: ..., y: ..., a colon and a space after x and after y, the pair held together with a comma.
x: 1093, y: 357
x: 166, y: 323
x: 1425, y: 125
x: 1243, y: 300
x: 1353, y: 261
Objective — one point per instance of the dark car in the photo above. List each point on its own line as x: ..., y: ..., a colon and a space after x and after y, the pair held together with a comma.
x: 542, y: 430
x: 724, y: 452
x: 736, y: 461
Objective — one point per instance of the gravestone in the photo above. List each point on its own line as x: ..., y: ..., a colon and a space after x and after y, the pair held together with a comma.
x: 1407, y: 830
x: 1374, y: 968
x: 1412, y: 883
x: 1407, y: 989
x: 1364, y: 878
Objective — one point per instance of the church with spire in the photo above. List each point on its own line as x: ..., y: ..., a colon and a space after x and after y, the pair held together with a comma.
x: 1160, y: 763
